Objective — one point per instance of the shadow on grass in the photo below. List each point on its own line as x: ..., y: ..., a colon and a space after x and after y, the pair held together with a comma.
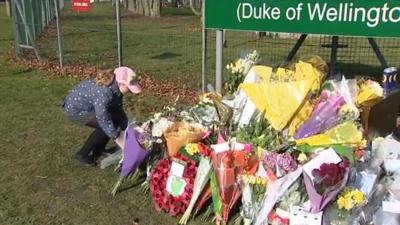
x: 353, y: 70
x: 175, y: 11
x: 166, y: 55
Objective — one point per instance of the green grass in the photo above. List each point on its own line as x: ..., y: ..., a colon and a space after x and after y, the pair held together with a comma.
x: 40, y: 183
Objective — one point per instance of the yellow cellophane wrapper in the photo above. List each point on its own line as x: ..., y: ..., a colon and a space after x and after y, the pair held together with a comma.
x: 303, y: 114
x: 179, y: 134
x: 283, y: 97
x: 344, y: 134
x: 369, y: 94
x: 264, y: 72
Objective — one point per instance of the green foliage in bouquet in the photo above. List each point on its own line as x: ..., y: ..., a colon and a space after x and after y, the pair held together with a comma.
x: 260, y: 133
x: 294, y: 196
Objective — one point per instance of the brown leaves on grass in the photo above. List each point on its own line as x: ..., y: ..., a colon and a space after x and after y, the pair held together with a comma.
x: 166, y: 89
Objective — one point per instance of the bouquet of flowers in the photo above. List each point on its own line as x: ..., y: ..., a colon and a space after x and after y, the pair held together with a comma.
x: 325, y: 176
x: 369, y: 92
x: 346, y: 133
x: 253, y: 189
x: 283, y: 92
x: 324, y: 116
x: 229, y: 164
x: 238, y: 71
x: 138, y: 143
x: 229, y: 191
x: 200, y: 181
x: 349, y: 203
x: 180, y: 133
x: 275, y: 191
x: 292, y: 197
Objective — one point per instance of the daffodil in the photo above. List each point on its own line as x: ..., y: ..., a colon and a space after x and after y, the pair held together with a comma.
x: 345, y: 203
x: 192, y: 149
x: 302, y: 158
x: 358, y: 197
x: 350, y: 198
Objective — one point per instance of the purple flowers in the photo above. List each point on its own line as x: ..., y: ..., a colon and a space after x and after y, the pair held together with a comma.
x: 324, y: 116
x: 328, y: 175
x: 280, y: 163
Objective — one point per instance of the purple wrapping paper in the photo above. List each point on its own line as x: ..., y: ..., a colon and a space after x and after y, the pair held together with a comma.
x: 324, y: 116
x: 134, y: 154
x: 318, y: 202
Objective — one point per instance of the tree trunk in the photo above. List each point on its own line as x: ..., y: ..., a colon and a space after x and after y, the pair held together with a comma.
x: 192, y: 6
x: 145, y: 7
x: 8, y: 8
x: 155, y: 8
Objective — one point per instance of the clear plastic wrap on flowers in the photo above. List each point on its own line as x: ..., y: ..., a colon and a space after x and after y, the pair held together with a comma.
x: 274, y: 193
x: 228, y: 188
x: 253, y: 188
x: 365, y: 180
x: 201, y: 179
x: 324, y: 116
x: 243, y: 108
x: 389, y: 212
x: 364, y: 215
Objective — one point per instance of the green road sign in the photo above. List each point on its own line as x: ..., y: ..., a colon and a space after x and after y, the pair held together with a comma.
x: 365, y: 18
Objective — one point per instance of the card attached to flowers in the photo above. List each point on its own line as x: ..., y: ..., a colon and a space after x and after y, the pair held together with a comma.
x: 298, y: 216
x: 392, y: 207
x: 219, y: 148
x: 175, y: 182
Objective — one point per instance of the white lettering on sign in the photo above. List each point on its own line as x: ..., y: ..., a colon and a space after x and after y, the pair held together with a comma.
x: 343, y: 12
x: 265, y: 12
x: 347, y: 12
x: 81, y: 4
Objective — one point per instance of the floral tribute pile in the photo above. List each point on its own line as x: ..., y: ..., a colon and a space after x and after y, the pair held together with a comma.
x: 283, y: 146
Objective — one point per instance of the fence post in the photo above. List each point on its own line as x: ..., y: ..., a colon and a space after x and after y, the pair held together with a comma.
x: 14, y: 14
x: 59, y: 34
x: 204, y: 51
x: 118, y: 12
x: 219, y: 61
x: 8, y: 8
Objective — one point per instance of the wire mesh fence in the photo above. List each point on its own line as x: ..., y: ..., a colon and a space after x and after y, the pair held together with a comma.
x: 32, y: 17
x: 169, y: 47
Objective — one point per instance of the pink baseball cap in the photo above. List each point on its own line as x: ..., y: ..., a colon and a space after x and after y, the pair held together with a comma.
x: 125, y: 75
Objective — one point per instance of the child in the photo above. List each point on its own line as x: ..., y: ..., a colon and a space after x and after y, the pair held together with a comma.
x: 97, y: 103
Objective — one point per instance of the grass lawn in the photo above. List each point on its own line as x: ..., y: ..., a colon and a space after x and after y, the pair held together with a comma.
x: 40, y: 183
